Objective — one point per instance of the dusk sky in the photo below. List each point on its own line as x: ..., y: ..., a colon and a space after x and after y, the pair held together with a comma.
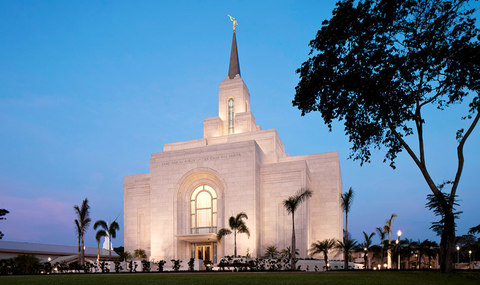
x: 90, y: 89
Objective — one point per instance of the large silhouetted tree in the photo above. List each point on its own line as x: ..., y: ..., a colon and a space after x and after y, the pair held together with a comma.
x: 376, y: 65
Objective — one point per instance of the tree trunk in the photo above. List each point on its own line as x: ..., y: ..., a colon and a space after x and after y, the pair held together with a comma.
x: 98, y: 251
x: 389, y: 250
x: 325, y: 257
x: 82, y: 253
x: 292, y: 250
x: 109, y: 247
x: 447, y: 242
x: 235, y: 243
x: 345, y: 239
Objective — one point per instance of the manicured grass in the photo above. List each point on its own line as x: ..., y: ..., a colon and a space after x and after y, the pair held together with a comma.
x: 253, y: 278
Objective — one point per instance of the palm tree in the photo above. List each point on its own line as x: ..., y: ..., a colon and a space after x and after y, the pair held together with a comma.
x: 347, y: 200
x: 110, y: 230
x: 346, y: 246
x: 291, y: 204
x: 98, y: 237
x: 237, y: 225
x: 381, y: 236
x: 367, y: 243
x: 82, y: 222
x: 323, y: 246
x: 388, y: 229
x: 271, y: 252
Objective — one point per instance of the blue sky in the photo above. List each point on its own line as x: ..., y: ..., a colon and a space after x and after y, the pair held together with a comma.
x: 88, y: 90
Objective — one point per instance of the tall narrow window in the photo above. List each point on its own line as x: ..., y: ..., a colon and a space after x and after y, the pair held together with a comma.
x: 203, y: 210
x: 230, y: 116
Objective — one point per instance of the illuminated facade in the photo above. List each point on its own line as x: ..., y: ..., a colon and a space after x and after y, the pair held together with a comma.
x: 194, y: 186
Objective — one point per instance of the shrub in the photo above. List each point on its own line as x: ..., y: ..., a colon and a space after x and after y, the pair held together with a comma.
x: 160, y: 264
x: 145, y: 266
x: 176, y: 264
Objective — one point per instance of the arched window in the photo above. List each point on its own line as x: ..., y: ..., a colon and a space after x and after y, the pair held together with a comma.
x: 230, y: 116
x: 203, y: 210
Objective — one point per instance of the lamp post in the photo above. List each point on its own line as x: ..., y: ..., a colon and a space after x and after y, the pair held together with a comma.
x: 399, y: 234
x: 365, y: 258
x: 458, y: 255
x: 470, y: 257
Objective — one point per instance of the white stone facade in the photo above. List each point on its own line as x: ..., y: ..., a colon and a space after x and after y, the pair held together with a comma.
x: 249, y: 171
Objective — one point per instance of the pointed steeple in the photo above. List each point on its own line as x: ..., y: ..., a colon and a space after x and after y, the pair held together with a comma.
x: 234, y: 67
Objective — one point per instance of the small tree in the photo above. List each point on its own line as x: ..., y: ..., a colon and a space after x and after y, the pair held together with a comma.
x: 323, y: 246
x: 237, y: 225
x: 271, y: 252
x: 346, y: 247
x: 140, y: 254
x: 367, y: 243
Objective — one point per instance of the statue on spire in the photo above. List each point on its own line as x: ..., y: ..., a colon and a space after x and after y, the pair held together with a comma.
x: 234, y: 21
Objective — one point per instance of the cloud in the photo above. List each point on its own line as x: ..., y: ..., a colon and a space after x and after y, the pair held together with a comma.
x: 37, y: 220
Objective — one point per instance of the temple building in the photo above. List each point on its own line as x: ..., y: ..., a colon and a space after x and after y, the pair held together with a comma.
x: 193, y: 187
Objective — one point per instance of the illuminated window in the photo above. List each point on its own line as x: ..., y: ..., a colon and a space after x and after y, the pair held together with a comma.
x: 230, y: 116
x: 203, y: 210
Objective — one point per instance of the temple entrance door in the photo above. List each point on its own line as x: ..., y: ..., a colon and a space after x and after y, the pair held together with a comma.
x: 203, y: 251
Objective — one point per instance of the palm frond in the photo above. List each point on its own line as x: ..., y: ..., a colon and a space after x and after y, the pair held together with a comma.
x: 474, y: 230
x: 240, y: 216
x: 347, y: 200
x: 243, y: 229
x: 100, y: 234
x: 112, y: 230
x: 223, y: 232
x: 100, y: 223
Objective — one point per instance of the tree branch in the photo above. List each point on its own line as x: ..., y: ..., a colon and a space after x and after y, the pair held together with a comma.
x: 461, y: 159
x: 422, y: 168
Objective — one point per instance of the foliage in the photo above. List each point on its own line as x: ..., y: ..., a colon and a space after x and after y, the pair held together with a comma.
x: 146, y: 265
x: 437, y: 206
x: 191, y: 264
x: 3, y: 212
x: 140, y: 254
x: 237, y: 225
x: 208, y: 264
x: 474, y: 230
x: 176, y: 263
x: 271, y: 252
x: 377, y: 65
x: 118, y: 266
x: 160, y: 265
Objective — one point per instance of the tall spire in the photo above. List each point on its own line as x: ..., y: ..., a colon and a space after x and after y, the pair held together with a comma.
x: 234, y: 67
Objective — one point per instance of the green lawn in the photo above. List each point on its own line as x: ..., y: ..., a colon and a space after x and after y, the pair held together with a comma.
x: 390, y: 278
